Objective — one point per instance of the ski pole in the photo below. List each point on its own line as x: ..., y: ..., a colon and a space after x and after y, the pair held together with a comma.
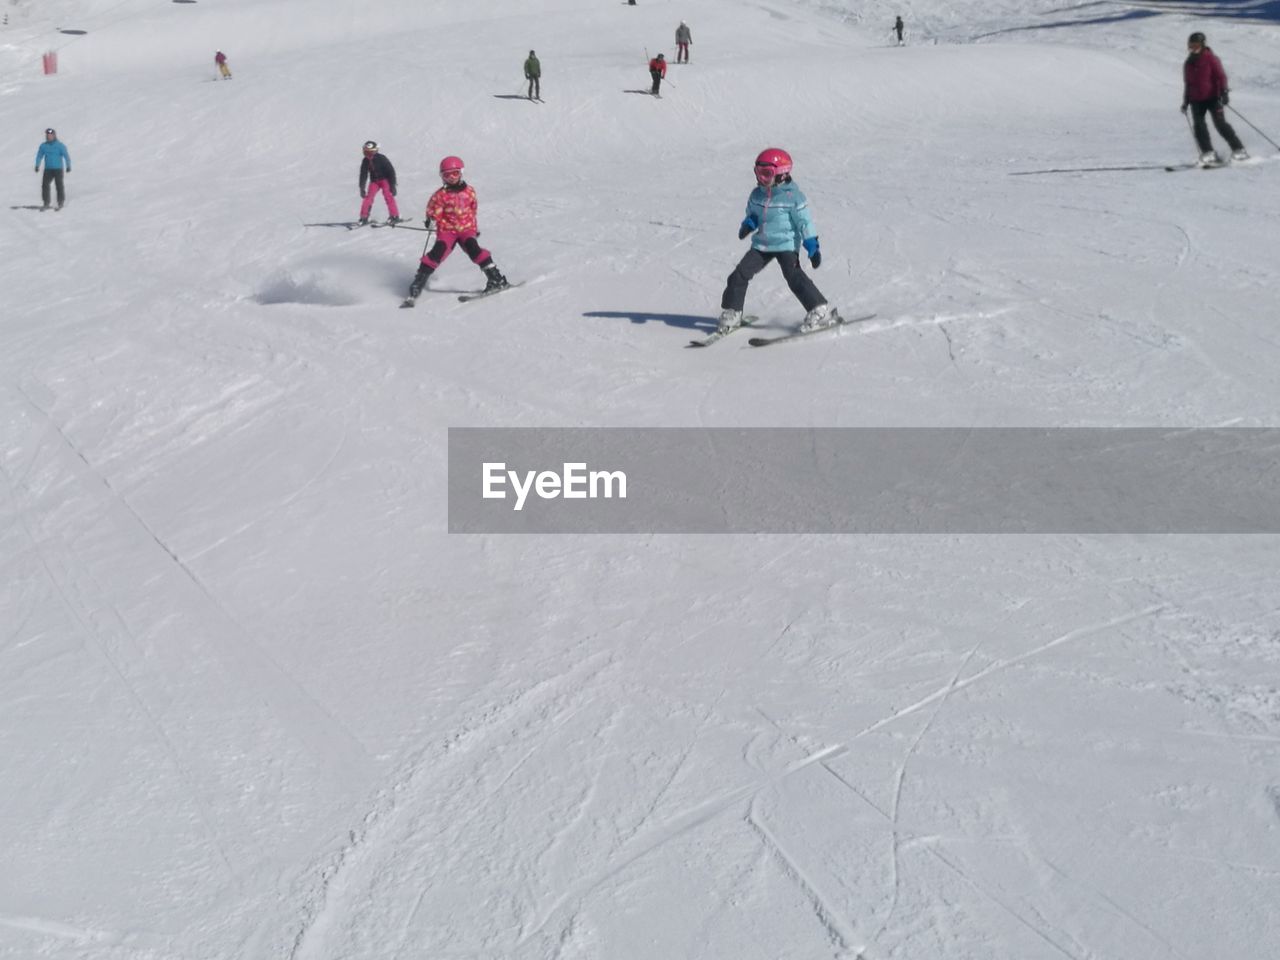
x: 1187, y: 118
x: 1259, y: 132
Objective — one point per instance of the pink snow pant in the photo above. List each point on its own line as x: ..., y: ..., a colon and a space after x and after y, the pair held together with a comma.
x: 383, y: 186
x: 445, y: 242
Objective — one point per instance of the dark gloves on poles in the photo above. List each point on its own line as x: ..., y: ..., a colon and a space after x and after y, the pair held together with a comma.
x: 361, y: 194
x: 811, y: 248
x: 748, y: 225
x: 1224, y: 98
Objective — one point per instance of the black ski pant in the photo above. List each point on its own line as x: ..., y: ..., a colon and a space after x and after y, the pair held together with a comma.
x: 535, y: 88
x: 657, y: 80
x: 735, y: 291
x: 54, y: 177
x: 1198, y: 109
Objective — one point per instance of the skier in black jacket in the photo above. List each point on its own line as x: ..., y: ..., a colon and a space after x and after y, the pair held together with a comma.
x: 377, y: 172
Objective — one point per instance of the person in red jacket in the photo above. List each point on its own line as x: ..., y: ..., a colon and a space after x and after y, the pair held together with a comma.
x: 1204, y: 90
x: 453, y: 210
x: 657, y: 70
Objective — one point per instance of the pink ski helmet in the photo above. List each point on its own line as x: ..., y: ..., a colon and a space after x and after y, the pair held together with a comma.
x: 772, y: 163
x: 451, y: 169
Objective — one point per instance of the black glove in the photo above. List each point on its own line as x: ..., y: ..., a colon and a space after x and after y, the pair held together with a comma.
x: 362, y: 194
x: 393, y: 189
x: 1184, y: 108
x: 1224, y: 98
x: 427, y: 223
x: 747, y: 226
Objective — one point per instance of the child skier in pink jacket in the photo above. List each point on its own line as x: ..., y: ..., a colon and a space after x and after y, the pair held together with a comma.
x: 453, y: 209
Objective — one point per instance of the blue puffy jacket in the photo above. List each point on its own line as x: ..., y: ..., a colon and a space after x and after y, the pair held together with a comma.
x: 54, y: 155
x: 781, y: 213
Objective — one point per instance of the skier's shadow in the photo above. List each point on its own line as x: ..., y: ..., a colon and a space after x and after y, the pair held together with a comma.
x: 26, y: 206
x: 647, y: 93
x: 685, y: 321
x: 509, y: 96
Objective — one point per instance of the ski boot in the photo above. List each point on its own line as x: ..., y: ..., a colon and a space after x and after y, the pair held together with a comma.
x: 418, y: 285
x: 1210, y: 158
x: 494, y: 280
x: 729, y: 320
x: 363, y: 221
x: 820, y: 316
x: 1241, y: 154
x: 392, y: 221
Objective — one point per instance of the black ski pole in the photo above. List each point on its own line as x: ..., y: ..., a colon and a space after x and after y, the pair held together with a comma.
x: 1187, y: 117
x: 1259, y: 132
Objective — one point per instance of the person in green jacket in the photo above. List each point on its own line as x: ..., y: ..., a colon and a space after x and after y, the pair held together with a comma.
x: 533, y: 73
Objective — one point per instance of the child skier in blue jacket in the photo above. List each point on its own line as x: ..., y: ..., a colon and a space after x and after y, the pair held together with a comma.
x: 778, y: 215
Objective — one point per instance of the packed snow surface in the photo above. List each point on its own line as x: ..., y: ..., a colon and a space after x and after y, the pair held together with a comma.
x: 257, y: 702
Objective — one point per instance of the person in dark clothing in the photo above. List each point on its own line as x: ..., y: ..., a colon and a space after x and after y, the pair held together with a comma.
x: 377, y: 171
x: 1204, y: 91
x: 56, y: 162
x: 898, y: 28
x: 657, y: 70
x: 533, y: 73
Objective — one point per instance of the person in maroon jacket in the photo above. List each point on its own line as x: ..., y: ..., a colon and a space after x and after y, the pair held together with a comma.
x: 1204, y: 90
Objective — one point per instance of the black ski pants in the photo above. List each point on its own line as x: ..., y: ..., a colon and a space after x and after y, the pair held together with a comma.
x: 753, y: 261
x: 535, y: 88
x: 657, y: 80
x: 1198, y: 109
x: 54, y: 177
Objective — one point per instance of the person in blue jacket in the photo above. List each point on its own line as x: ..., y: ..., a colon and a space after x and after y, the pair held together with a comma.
x: 778, y: 216
x: 56, y: 162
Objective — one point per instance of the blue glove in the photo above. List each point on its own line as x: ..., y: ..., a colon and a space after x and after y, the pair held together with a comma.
x: 811, y: 248
x: 748, y: 225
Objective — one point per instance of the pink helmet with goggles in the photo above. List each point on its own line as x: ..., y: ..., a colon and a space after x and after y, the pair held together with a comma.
x: 771, y: 164
x: 451, y: 169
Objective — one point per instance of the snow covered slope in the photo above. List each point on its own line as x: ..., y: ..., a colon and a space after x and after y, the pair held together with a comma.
x: 255, y: 701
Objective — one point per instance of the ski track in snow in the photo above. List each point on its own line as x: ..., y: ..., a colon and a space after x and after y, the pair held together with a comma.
x: 1073, y: 635
x: 841, y: 932
x: 343, y: 876
x: 305, y: 716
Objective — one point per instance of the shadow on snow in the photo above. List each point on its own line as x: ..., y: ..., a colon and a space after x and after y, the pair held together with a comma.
x: 685, y: 321
x: 1255, y: 11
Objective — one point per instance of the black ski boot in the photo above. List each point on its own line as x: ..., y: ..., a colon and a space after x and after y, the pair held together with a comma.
x: 495, y: 279
x: 419, y: 281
